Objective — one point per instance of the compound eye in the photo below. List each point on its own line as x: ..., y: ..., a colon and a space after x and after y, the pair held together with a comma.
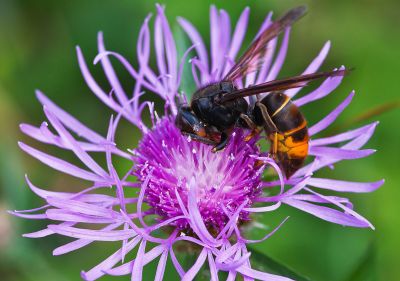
x: 188, y: 122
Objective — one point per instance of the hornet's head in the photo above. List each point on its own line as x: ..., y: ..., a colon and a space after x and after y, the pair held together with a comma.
x: 189, y: 124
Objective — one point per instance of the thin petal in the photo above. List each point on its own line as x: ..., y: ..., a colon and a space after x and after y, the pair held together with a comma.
x: 238, y: 36
x: 110, y: 73
x: 69, y: 121
x: 97, y: 235
x: 137, y: 270
x: 82, y: 208
x: 192, y: 272
x: 212, y: 266
x: 263, y: 209
x: 80, y: 243
x: 280, y: 58
x: 269, y: 234
x: 126, y: 268
x: 313, y: 67
x: 45, y: 232
x: 98, y: 271
x: 259, y: 275
x: 196, y: 39
x: 79, y: 152
x: 339, y: 153
x: 93, y: 84
x: 331, y: 117
x: 323, y: 90
x: 343, y: 136
x: 161, y: 266
x: 326, y: 213
x: 176, y: 263
x: 59, y: 164
x: 195, y: 217
x: 345, y: 186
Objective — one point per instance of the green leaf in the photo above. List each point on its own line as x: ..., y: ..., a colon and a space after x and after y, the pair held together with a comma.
x: 262, y: 262
x: 188, y: 85
x: 365, y: 270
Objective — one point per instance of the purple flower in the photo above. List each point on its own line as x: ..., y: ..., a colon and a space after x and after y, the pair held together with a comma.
x: 181, y: 187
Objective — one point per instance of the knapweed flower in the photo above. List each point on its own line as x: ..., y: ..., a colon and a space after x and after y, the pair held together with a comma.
x: 176, y: 190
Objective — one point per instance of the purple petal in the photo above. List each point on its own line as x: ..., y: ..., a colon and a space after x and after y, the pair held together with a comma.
x: 269, y: 234
x: 195, y: 216
x: 345, y: 186
x: 80, y: 243
x: 196, y: 39
x: 131, y: 70
x: 170, y: 46
x: 226, y: 254
x: 323, y: 90
x: 346, y: 209
x: 313, y: 67
x: 45, y: 232
x: 61, y: 215
x: 215, y: 35
x: 140, y: 200
x: 259, y: 275
x: 238, y: 36
x: 361, y: 140
x: 263, y: 209
x: 137, y: 270
x: 343, y: 136
x: 234, y: 264
x: 356, y: 143
x: 101, y: 199
x: 318, y: 199
x: 110, y: 73
x: 280, y: 58
x: 192, y: 272
x: 49, y: 138
x: 28, y: 216
x: 267, y: 61
x: 98, y: 271
x: 97, y: 235
x: 92, y: 83
x: 331, y: 117
x: 225, y: 39
x: 339, y: 153
x: 232, y: 273
x: 69, y: 121
x: 126, y: 268
x: 79, y: 152
x: 82, y: 208
x: 176, y: 263
x: 59, y: 164
x: 326, y: 213
x: 161, y: 266
x: 212, y: 266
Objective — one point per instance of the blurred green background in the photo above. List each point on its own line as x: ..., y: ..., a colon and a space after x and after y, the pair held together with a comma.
x: 37, y: 50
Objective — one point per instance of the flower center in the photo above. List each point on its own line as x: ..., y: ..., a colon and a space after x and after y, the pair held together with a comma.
x: 225, y: 180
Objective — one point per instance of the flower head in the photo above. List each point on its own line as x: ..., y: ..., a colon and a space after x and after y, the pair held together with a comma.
x: 181, y: 187
x: 170, y: 161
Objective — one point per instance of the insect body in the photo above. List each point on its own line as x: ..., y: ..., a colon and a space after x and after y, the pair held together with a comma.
x: 216, y: 109
x: 287, y: 132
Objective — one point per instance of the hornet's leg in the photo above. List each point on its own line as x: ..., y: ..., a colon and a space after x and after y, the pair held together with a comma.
x: 222, y: 143
x: 255, y: 130
x: 200, y: 139
x: 269, y: 126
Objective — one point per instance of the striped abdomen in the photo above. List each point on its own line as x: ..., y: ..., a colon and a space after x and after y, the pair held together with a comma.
x: 291, y: 142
